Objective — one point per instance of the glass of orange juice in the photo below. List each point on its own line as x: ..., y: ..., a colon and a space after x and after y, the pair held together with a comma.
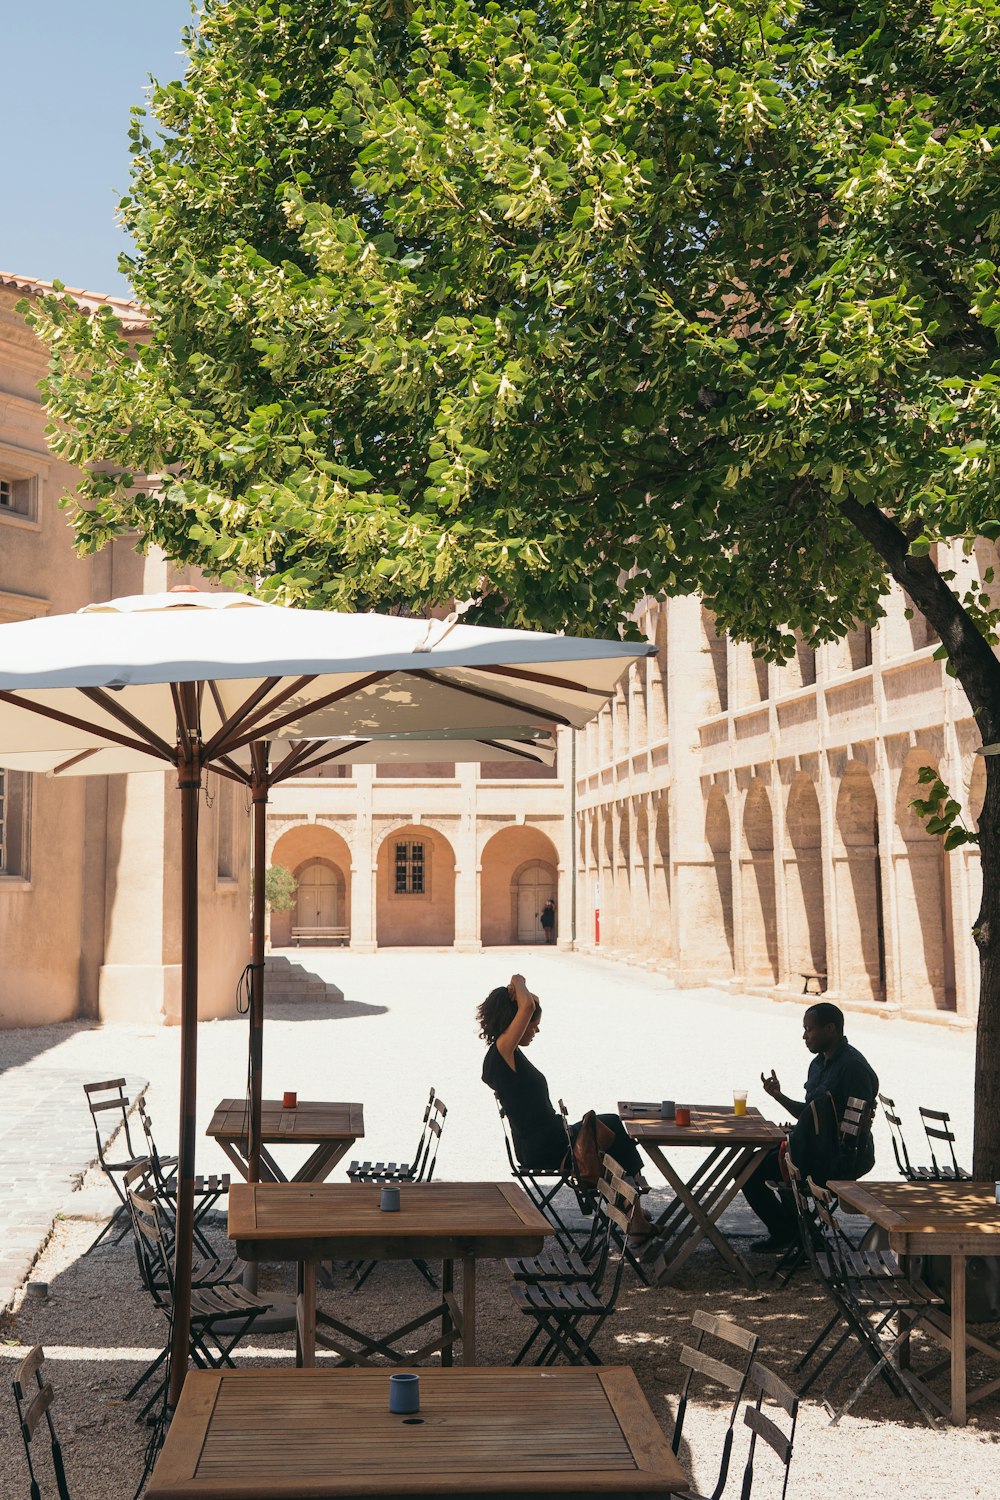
x: 739, y: 1101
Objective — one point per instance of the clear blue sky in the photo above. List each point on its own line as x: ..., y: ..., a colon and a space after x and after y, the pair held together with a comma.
x: 71, y: 71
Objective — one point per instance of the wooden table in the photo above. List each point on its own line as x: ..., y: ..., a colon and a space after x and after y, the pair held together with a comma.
x: 445, y: 1221
x: 735, y: 1146
x: 331, y: 1128
x: 328, y: 1434
x: 956, y: 1219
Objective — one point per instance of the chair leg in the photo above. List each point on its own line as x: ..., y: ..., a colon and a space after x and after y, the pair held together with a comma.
x: 120, y: 1215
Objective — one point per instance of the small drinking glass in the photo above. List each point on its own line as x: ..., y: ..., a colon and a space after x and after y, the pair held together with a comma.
x: 739, y: 1101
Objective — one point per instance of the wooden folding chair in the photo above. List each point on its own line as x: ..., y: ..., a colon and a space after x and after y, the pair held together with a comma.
x: 699, y: 1361
x: 899, y: 1150
x: 880, y: 1303
x: 420, y: 1170
x: 111, y: 1114
x: 33, y: 1396
x: 207, y: 1189
x: 764, y: 1427
x: 544, y: 1184
x: 222, y: 1311
x: 387, y: 1172
x: 560, y: 1308
x: 937, y: 1127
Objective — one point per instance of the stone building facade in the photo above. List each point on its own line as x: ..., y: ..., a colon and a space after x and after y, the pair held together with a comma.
x: 449, y: 856
x: 89, y: 867
x: 742, y: 824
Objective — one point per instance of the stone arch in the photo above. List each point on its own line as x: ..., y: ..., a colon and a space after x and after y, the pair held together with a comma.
x: 314, y: 846
x: 923, y: 898
x: 803, y: 861
x: 757, y: 888
x: 712, y: 911
x: 415, y: 918
x: 858, y: 887
x: 519, y: 866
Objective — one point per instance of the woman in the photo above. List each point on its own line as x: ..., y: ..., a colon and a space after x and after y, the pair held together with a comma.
x: 509, y: 1019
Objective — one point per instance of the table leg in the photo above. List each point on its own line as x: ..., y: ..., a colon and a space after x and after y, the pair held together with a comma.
x: 469, y: 1310
x: 718, y: 1182
x: 305, y: 1314
x: 322, y: 1161
x: 447, y: 1326
x: 958, y: 1391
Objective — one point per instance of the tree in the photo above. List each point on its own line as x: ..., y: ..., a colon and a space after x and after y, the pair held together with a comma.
x: 556, y: 307
x: 280, y: 886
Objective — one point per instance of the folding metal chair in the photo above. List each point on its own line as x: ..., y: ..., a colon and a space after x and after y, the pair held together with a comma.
x: 421, y: 1170
x: 414, y: 1169
x: 222, y: 1311
x: 561, y: 1307
x: 112, y: 1113
x: 33, y: 1397
x: 881, y: 1305
x: 572, y: 1265
x: 937, y: 1127
x: 763, y: 1426
x: 899, y: 1149
x: 207, y: 1190
x: 544, y: 1184
x: 699, y: 1361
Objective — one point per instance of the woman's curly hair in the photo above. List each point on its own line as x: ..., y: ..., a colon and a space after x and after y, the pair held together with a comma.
x: 496, y: 1013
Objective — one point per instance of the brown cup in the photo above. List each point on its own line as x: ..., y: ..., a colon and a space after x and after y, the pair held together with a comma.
x: 682, y: 1115
x: 289, y: 1099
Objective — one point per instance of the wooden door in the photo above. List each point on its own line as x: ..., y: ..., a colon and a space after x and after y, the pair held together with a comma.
x: 316, y: 898
x: 536, y: 885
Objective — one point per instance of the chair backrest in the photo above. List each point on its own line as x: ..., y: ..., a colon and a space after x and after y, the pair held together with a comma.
x: 150, y: 1240
x: 109, y: 1106
x: 33, y: 1397
x: 421, y: 1145
x: 836, y: 1243
x: 762, y: 1424
x: 937, y: 1127
x: 617, y: 1199
x: 699, y: 1361
x: 147, y: 1130
x: 437, y: 1113
x: 899, y: 1150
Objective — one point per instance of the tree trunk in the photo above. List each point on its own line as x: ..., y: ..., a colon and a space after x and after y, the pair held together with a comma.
x: 976, y: 666
x: 986, y: 1148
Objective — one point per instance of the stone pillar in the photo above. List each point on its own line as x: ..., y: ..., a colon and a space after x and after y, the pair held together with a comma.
x: 364, y: 866
x: 468, y: 919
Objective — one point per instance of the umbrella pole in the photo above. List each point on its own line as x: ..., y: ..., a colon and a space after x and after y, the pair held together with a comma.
x: 258, y: 791
x: 189, y: 782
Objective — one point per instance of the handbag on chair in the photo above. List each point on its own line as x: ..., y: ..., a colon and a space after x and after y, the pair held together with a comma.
x: 590, y: 1143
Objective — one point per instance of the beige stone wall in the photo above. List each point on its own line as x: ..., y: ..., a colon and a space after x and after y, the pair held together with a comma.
x: 495, y: 848
x: 91, y: 925
x: 785, y: 844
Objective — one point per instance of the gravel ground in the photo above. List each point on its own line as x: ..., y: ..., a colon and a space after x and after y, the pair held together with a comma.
x: 608, y: 1032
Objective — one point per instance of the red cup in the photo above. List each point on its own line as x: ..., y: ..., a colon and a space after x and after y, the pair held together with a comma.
x: 682, y: 1115
x: 289, y: 1099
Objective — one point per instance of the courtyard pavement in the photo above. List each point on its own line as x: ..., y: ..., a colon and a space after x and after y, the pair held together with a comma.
x: 609, y: 1031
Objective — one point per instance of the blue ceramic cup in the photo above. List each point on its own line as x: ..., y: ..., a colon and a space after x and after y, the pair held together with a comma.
x: 388, y: 1200
x: 667, y: 1109
x: 404, y: 1394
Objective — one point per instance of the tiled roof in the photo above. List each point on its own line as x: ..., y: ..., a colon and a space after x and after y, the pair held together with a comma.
x: 131, y: 314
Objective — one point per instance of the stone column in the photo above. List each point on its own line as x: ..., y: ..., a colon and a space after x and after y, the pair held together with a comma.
x: 468, y: 923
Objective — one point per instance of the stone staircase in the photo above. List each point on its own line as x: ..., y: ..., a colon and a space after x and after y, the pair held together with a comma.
x: 288, y: 982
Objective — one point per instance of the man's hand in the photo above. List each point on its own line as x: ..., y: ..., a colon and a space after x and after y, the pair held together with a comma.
x: 771, y: 1085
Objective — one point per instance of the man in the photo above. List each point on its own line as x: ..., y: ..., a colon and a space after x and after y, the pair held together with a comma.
x: 838, y: 1072
x: 548, y: 920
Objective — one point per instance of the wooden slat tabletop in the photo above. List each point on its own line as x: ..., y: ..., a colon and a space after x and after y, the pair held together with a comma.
x: 311, y: 1122
x: 305, y: 1219
x: 711, y: 1125
x: 326, y: 1434
x: 934, y: 1217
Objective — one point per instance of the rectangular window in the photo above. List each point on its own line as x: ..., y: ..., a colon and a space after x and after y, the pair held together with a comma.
x: 409, y: 869
x: 17, y: 496
x: 226, y: 853
x: 14, y: 801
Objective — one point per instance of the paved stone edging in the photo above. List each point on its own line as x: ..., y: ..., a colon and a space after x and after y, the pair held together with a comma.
x: 46, y: 1148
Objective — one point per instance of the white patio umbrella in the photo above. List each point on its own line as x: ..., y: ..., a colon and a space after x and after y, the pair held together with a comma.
x: 190, y: 680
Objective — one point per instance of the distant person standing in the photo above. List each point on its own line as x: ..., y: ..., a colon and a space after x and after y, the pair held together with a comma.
x: 548, y: 920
